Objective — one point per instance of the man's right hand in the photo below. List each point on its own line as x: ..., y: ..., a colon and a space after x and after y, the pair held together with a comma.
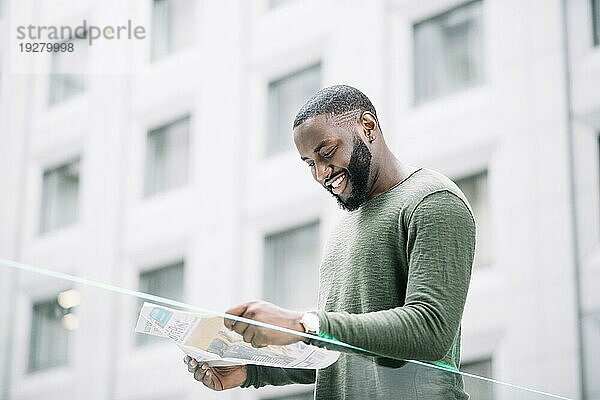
x: 216, y: 378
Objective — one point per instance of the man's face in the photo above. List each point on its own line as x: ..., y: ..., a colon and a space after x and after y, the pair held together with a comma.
x: 338, y: 159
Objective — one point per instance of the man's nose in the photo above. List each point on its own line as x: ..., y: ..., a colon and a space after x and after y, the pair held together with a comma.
x: 323, y: 173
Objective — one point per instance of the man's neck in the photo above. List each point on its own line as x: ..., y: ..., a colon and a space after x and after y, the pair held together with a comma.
x: 390, y: 172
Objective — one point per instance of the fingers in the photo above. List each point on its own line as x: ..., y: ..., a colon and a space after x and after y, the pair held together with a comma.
x: 230, y: 323
x: 258, y: 340
x: 249, y: 335
x: 254, y: 336
x: 237, y: 311
x: 192, y: 366
x: 199, y: 374
x: 240, y: 328
x: 203, y: 373
x: 208, y: 377
x: 249, y: 332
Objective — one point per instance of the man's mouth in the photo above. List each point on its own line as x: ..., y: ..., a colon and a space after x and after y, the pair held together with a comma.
x: 338, y: 183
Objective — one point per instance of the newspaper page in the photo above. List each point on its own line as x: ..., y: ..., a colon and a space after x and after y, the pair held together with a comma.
x: 205, y: 338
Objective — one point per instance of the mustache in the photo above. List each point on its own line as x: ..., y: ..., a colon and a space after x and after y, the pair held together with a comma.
x: 358, y: 176
x: 348, y: 177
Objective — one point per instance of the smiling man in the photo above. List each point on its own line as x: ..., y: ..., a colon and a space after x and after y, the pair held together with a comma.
x: 394, y: 276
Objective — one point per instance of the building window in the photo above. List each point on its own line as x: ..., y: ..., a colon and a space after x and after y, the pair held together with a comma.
x: 278, y: 3
x: 477, y: 388
x: 291, y: 267
x: 286, y: 96
x: 305, y: 395
x: 591, y: 345
x: 60, y: 196
x: 165, y: 281
x: 172, y: 26
x: 475, y: 189
x: 167, y: 157
x: 67, y: 72
x: 51, y: 321
x: 448, y: 52
x: 596, y: 21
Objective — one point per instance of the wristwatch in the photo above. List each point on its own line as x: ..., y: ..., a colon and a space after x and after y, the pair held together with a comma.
x: 310, y: 323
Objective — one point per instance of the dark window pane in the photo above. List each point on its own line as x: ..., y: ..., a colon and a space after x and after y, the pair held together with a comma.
x: 475, y: 189
x: 67, y: 78
x: 167, y: 157
x: 477, y: 388
x: 60, y: 195
x: 596, y: 21
x: 286, y: 96
x: 49, y: 340
x: 291, y: 267
x: 278, y: 3
x: 448, y: 52
x: 172, y: 26
x: 166, y: 281
x: 294, y: 396
x: 591, y: 345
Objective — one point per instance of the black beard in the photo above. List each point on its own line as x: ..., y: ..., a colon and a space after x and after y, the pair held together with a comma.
x: 358, y: 176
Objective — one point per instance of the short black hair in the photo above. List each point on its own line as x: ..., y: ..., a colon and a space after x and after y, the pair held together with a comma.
x: 334, y: 100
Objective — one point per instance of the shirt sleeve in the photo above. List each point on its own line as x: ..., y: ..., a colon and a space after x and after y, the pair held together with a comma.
x: 259, y: 376
x: 440, y: 250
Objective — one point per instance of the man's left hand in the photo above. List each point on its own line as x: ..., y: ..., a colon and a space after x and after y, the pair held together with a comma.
x: 270, y: 314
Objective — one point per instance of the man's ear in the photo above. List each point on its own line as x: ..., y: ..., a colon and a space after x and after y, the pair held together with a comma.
x: 368, y: 121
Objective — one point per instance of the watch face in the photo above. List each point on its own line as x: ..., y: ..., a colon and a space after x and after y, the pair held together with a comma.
x: 311, y: 322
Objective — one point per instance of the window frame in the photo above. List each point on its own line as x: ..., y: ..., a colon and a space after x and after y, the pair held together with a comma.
x: 590, y: 319
x: 598, y: 166
x: 276, y: 4
x: 484, y: 359
x: 418, y: 100
x: 171, y: 46
x: 43, y: 225
x: 595, y: 9
x: 293, y: 395
x: 30, y: 367
x: 51, y: 100
x: 267, y: 292
x: 273, y: 119
x: 149, y: 189
x: 480, y: 174
x: 142, y: 340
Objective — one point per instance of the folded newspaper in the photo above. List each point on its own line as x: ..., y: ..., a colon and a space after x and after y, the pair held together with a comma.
x: 205, y: 338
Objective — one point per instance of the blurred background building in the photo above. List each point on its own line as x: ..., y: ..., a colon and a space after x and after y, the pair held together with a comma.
x: 181, y: 179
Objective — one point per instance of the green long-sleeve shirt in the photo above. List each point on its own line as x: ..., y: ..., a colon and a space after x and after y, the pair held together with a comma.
x: 393, y: 281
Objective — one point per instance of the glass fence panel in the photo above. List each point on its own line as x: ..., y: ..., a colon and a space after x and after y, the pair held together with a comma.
x: 67, y: 336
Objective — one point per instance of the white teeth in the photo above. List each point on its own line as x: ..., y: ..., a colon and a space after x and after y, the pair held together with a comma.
x: 337, y: 182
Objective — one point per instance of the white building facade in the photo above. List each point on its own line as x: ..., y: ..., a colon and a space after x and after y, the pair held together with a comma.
x: 181, y: 179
